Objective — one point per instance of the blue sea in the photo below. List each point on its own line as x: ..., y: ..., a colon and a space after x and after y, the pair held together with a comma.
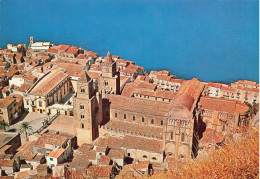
x: 208, y: 39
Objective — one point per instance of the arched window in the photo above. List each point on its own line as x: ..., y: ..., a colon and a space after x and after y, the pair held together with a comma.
x: 115, y: 114
x: 152, y: 121
x: 144, y: 156
x: 133, y: 118
x: 161, y: 122
x: 182, y: 137
x: 82, y: 116
x: 82, y: 90
x: 81, y: 106
x: 124, y: 116
x: 154, y: 158
x: 142, y: 119
x: 82, y: 126
x: 171, y: 135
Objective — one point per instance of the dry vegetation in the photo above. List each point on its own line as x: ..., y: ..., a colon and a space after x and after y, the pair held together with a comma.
x: 237, y: 159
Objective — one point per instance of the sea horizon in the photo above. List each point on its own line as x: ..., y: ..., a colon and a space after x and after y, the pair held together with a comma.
x: 214, y: 41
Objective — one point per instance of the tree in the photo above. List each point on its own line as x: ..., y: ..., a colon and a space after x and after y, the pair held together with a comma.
x: 3, y: 125
x: 25, y: 128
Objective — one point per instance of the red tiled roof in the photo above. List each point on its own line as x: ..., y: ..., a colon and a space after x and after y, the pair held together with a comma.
x: 223, y: 105
x: 72, y: 69
x: 104, y: 160
x: 6, y: 163
x: 211, y: 136
x: 128, y: 89
x: 46, y: 86
x: 183, y: 99
x: 108, y: 58
x: 53, y: 139
x: 173, y: 80
x: 5, y: 102
x: 93, y: 75
x: 141, y: 143
x: 128, y: 71
x: 137, y: 105
x: 72, y: 50
x: 99, y: 171
x: 145, y: 85
x: 136, y: 128
x: 63, y: 47
x: 57, y: 153
x: 81, y: 56
x: 224, y: 88
x: 53, y: 50
x: 24, y: 87
x: 215, y: 85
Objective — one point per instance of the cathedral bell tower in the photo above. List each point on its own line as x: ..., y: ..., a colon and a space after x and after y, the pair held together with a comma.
x: 85, y: 106
x: 109, y: 81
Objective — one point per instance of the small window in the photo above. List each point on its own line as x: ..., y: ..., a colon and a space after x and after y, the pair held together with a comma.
x: 128, y: 154
x: 133, y: 118
x: 154, y: 158
x: 82, y: 126
x: 124, y: 116
x: 81, y: 106
x: 142, y: 119
x: 115, y: 114
x: 152, y: 121
x: 40, y: 103
x: 82, y: 116
x: 82, y: 90
x: 27, y: 102
x: 161, y: 122
x: 51, y: 159
x: 182, y: 137
x: 223, y: 128
x: 144, y: 156
x: 171, y: 137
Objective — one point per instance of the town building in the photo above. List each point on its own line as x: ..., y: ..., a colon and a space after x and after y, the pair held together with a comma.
x: 48, y: 92
x: 39, y: 46
x: 11, y: 108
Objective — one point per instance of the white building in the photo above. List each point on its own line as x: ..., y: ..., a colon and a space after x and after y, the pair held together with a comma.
x: 17, y: 80
x: 39, y: 46
x: 56, y: 157
x: 12, y: 47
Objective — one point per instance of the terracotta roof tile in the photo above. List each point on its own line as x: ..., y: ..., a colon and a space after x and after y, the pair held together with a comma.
x: 105, y: 160
x: 141, y: 143
x: 51, y: 81
x: 211, y: 136
x: 222, y: 105
x: 24, y: 87
x: 100, y: 171
x: 136, y: 128
x: 57, y: 153
x: 145, y: 85
x: 137, y: 105
x: 128, y: 89
x: 53, y: 139
x: 224, y: 88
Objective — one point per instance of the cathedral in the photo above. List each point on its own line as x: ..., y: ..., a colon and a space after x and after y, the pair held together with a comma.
x: 149, y: 128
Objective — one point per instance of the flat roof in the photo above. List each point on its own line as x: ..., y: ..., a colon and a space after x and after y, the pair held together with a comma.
x: 5, y: 137
x: 39, y: 44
